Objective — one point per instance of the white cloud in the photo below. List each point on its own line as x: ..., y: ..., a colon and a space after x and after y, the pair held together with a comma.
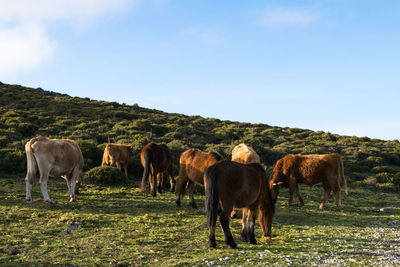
x: 288, y: 17
x: 24, y: 47
x: 208, y: 36
x: 24, y: 40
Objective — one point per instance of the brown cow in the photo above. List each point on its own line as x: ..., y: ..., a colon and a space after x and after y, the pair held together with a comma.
x: 244, y: 154
x: 309, y: 169
x: 192, y: 164
x: 56, y: 157
x: 117, y: 155
x: 157, y: 161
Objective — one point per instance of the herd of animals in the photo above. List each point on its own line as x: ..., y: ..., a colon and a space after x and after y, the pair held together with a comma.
x: 240, y: 183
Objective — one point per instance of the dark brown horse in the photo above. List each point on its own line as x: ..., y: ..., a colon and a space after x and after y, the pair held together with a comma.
x: 192, y: 165
x: 157, y: 161
x: 233, y: 184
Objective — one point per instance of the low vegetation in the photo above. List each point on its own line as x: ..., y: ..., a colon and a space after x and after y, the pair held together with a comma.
x: 120, y: 225
x: 123, y: 226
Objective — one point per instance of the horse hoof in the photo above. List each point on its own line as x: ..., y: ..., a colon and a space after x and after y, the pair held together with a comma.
x: 49, y: 201
x: 233, y: 245
x: 72, y: 199
x: 193, y: 205
x: 178, y: 203
x: 213, y: 244
x: 29, y: 201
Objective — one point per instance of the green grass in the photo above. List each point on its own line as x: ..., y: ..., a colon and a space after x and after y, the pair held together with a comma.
x: 123, y: 226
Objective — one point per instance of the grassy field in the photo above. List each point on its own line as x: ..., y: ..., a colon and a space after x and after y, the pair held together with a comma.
x: 122, y: 226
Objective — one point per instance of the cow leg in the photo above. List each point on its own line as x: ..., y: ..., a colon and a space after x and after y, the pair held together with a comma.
x: 327, y: 191
x: 126, y: 169
x: 224, y: 219
x: 298, y: 195
x: 337, y: 197
x: 44, y: 176
x: 29, y: 181
x: 191, y: 186
x: 72, y: 182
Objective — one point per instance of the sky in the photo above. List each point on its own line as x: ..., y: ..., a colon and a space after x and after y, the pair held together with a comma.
x: 330, y: 65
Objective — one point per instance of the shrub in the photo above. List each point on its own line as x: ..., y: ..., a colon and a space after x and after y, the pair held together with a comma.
x: 384, y: 177
x: 106, y: 176
x: 396, y: 180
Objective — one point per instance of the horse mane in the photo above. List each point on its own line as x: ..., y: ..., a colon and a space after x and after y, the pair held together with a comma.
x: 217, y: 155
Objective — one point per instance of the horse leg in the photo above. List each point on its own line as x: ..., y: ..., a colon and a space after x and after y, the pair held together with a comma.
x: 191, y: 186
x: 224, y: 219
x: 327, y: 191
x: 171, y: 179
x: 181, y: 184
x: 159, y: 182
x: 152, y: 184
x: 251, y: 218
x: 244, y: 236
x: 292, y: 188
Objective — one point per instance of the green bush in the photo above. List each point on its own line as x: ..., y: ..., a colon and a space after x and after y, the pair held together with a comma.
x: 106, y: 176
x: 396, y: 180
x: 384, y: 177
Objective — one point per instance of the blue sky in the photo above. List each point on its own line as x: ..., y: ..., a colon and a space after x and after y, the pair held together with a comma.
x: 330, y: 65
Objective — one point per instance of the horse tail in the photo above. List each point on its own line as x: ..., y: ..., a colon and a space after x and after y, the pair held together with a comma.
x: 211, y: 199
x: 342, y: 177
x: 148, y: 158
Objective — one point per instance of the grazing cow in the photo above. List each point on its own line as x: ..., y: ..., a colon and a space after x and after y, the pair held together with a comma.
x: 117, y: 155
x: 157, y: 161
x: 56, y: 157
x: 192, y: 164
x: 292, y: 169
x: 245, y: 154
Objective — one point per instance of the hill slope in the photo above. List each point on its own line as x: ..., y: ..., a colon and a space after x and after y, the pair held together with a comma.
x: 27, y: 112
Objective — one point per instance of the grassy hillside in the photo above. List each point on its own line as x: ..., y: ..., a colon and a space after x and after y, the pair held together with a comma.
x: 27, y: 112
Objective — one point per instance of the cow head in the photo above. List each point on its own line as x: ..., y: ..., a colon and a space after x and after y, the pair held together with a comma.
x: 275, y: 189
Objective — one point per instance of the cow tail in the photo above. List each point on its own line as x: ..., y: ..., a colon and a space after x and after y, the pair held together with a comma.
x: 105, y: 156
x: 148, y: 157
x: 30, y: 159
x: 342, y: 177
x: 211, y: 198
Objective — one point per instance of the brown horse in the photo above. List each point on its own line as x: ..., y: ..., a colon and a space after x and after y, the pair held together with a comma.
x: 233, y: 184
x: 192, y: 165
x: 157, y: 161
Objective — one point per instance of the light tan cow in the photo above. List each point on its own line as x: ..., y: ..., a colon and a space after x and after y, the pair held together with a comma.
x: 245, y: 154
x: 55, y: 157
x: 117, y: 155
